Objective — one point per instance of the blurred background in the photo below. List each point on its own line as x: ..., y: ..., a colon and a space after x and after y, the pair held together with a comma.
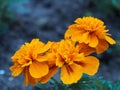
x: 23, y: 20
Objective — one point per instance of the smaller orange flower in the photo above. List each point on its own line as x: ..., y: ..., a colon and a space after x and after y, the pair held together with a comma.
x: 91, y: 31
x: 30, y: 61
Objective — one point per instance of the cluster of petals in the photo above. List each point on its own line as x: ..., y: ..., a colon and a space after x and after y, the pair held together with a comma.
x: 92, y: 32
x: 38, y: 62
x: 29, y: 60
x: 71, y: 62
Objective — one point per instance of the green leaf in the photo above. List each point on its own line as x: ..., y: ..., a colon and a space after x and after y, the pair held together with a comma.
x: 103, y: 85
x: 85, y: 83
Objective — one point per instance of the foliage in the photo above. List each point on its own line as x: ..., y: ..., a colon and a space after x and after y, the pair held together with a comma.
x: 3, y: 14
x: 107, y: 7
x: 86, y: 83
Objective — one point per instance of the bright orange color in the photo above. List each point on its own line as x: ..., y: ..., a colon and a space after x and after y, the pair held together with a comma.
x: 72, y: 63
x: 51, y: 57
x: 90, y: 31
x: 30, y: 61
x: 84, y: 48
x: 39, y: 62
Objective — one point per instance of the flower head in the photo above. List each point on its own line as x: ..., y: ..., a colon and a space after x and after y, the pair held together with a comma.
x: 30, y: 61
x: 91, y: 31
x: 72, y: 63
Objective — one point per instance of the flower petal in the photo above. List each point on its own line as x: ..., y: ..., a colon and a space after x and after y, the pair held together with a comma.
x: 74, y: 34
x: 71, y: 73
x: 110, y: 40
x: 38, y: 69
x: 46, y: 47
x: 78, y: 21
x: 36, y: 41
x: 51, y: 73
x: 78, y: 57
x: 68, y: 33
x: 84, y: 48
x: 93, y: 41
x: 28, y: 78
x: 85, y: 37
x: 77, y: 36
x: 59, y: 61
x: 102, y: 46
x: 16, y: 70
x: 90, y: 65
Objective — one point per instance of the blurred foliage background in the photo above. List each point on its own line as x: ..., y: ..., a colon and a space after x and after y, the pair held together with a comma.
x: 4, y: 13
x: 22, y: 20
x: 7, y: 11
x: 109, y: 7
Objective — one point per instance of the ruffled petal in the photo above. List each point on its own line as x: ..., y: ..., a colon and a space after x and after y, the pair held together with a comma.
x: 51, y: 73
x: 41, y: 58
x: 36, y: 41
x: 68, y: 33
x: 110, y: 40
x: 102, y: 46
x: 46, y: 47
x: 90, y: 65
x: 28, y: 78
x: 78, y: 20
x: 38, y: 69
x: 84, y: 48
x: 71, y: 73
x: 93, y: 41
x: 16, y: 70
x: 85, y: 38
x: 74, y: 34
x: 78, y: 57
x: 77, y: 36
x: 59, y: 61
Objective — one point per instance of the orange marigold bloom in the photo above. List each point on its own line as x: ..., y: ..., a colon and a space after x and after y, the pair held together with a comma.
x: 91, y: 31
x: 30, y: 61
x: 72, y: 63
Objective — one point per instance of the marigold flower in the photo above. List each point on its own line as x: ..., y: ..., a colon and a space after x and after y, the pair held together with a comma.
x: 30, y: 61
x: 91, y: 31
x: 72, y: 63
